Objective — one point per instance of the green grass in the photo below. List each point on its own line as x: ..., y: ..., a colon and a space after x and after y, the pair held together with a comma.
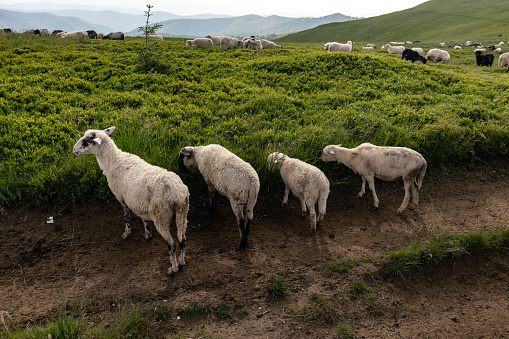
x: 296, y: 100
x: 433, y: 20
x: 276, y: 286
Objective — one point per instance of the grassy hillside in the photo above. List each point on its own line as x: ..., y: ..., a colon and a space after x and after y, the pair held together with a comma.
x: 434, y: 20
x: 295, y: 100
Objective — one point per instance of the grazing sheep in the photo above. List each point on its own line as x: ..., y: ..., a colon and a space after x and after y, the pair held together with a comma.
x: 479, y: 50
x: 253, y: 43
x: 100, y: 36
x: 230, y: 176
x: 269, y: 44
x: 497, y: 50
x: 484, y: 59
x: 74, y: 35
x: 114, y: 36
x: 418, y: 50
x: 337, y: 47
x: 56, y: 31
x: 326, y: 45
x: 437, y: 55
x: 367, y: 48
x: 200, y: 43
x: 156, y: 37
x: 457, y: 47
x: 230, y: 42
x: 385, y: 163
x: 216, y: 39
x: 151, y: 192
x: 409, y: 54
x: 306, y: 181
x: 92, y: 34
x: 394, y: 49
x: 503, y: 60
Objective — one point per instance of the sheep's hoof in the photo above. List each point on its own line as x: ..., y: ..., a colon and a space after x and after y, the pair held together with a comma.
x: 171, y: 272
x: 126, y: 235
x: 148, y: 236
x: 399, y: 212
x: 375, y: 207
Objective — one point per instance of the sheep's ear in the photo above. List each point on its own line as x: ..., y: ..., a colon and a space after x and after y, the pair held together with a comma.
x: 97, y: 141
x: 275, y: 161
x: 109, y: 130
x: 332, y: 152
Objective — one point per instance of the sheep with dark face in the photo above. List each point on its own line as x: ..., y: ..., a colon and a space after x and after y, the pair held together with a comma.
x: 153, y: 193
x: 230, y: 176
x: 413, y: 56
x: 484, y: 59
x: 114, y: 36
x: 385, y: 163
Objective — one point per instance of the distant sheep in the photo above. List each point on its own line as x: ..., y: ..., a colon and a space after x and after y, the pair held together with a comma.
x: 479, y: 50
x: 503, y: 61
x: 200, y: 43
x: 484, y: 59
x: 216, y: 39
x: 337, y: 47
x: 266, y: 44
x: 367, y: 48
x: 153, y: 193
x: 418, y: 50
x: 114, y: 36
x: 230, y: 42
x: 414, y: 56
x: 306, y: 181
x: 498, y: 50
x: 92, y: 34
x: 394, y: 49
x: 156, y: 37
x: 457, y: 47
x: 385, y: 163
x: 230, y: 176
x: 438, y: 56
x: 253, y: 43
x: 74, y: 35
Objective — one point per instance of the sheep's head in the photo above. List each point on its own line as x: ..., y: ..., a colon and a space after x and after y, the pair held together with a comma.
x: 186, y: 157
x: 275, y: 160
x: 329, y: 153
x: 92, y: 140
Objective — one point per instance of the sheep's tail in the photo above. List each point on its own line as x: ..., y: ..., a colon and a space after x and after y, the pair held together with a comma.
x: 322, y: 201
x: 420, y: 177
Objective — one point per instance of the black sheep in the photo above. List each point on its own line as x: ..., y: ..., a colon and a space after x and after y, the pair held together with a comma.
x: 484, y: 59
x: 409, y: 54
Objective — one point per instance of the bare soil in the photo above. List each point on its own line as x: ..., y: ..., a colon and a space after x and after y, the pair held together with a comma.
x: 81, y: 260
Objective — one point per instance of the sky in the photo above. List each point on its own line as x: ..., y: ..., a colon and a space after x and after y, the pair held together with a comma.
x: 291, y: 8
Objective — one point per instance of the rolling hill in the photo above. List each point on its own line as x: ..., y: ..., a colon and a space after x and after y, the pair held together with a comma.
x: 433, y: 20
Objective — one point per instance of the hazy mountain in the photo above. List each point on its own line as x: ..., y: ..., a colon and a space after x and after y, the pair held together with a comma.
x: 21, y: 21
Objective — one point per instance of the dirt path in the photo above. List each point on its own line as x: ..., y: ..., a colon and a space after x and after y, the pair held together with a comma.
x: 81, y: 259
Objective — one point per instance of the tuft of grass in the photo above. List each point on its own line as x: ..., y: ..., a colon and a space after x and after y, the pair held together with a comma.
x: 276, y: 286
x: 343, y: 330
x: 357, y: 287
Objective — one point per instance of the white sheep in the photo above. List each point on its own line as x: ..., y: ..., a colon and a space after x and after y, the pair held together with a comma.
x: 418, y: 50
x: 457, y: 47
x: 266, y: 44
x: 153, y: 193
x: 497, y: 50
x: 437, y: 55
x: 503, y: 60
x: 200, y: 43
x: 75, y: 34
x: 305, y: 181
x: 216, y: 39
x: 229, y: 42
x: 479, y: 50
x: 367, y: 48
x: 385, y: 163
x: 394, y: 49
x: 156, y: 37
x: 252, y: 43
x: 230, y: 176
x: 326, y: 45
x: 337, y: 47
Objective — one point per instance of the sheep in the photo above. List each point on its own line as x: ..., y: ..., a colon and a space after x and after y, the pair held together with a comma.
x: 484, y: 59
x: 409, y: 54
x: 327, y: 44
x: 479, y: 50
x: 200, y: 43
x: 151, y: 192
x: 418, y: 50
x: 100, y: 35
x: 385, y: 163
x: 371, y: 45
x: 230, y: 176
x: 216, y: 40
x: 156, y: 37
x: 56, y: 31
x: 437, y: 55
x: 367, y: 48
x: 503, y: 60
x: 114, y: 36
x: 305, y: 181
x: 337, y: 47
x: 92, y: 34
x: 457, y: 47
x: 252, y: 43
x: 266, y: 44
x: 75, y: 34
x: 497, y: 50
x: 394, y: 49
x: 230, y: 42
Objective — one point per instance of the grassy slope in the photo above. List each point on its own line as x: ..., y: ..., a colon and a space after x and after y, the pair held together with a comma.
x: 431, y: 21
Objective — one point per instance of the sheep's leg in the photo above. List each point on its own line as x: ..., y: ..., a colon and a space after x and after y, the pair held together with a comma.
x: 127, y: 219
x: 415, y: 195
x: 164, y: 230
x: 212, y: 197
x: 181, y: 221
x: 285, y: 198
x: 148, y: 234
x: 303, y: 207
x: 312, y: 214
x: 322, y: 206
x: 404, y: 204
x: 238, y: 209
x: 371, y: 183
x: 363, y: 188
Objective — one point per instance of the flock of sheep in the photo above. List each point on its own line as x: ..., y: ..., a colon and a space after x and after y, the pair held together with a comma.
x: 90, y: 34
x: 158, y: 195
x: 251, y: 42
